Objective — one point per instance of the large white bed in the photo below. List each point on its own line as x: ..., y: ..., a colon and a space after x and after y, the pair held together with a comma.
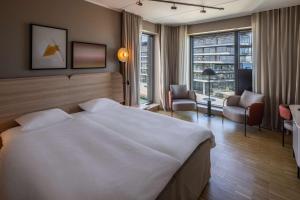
x: 115, y: 153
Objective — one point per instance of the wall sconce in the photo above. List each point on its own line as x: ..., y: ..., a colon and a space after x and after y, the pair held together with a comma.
x: 123, y: 55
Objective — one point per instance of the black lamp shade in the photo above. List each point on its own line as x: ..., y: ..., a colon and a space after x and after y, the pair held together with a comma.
x: 209, y: 72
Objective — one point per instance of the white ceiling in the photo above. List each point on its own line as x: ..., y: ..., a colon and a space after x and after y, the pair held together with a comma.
x: 161, y: 13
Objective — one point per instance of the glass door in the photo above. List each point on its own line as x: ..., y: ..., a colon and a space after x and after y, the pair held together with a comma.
x: 245, y: 65
x: 146, y: 70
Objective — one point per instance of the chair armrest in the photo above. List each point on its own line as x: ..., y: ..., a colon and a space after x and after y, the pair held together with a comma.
x: 232, y: 100
x: 255, y: 113
x: 192, y: 95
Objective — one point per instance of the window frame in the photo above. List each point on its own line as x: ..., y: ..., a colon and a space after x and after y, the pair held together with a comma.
x: 239, y: 48
x: 236, y: 55
x: 151, y: 74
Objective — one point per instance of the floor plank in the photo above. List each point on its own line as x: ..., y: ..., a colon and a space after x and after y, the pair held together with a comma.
x: 252, y: 167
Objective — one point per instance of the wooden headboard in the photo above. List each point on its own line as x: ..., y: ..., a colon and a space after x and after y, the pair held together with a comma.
x: 24, y: 95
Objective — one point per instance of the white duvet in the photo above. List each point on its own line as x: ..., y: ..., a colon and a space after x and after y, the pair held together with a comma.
x: 170, y: 136
x: 80, y: 159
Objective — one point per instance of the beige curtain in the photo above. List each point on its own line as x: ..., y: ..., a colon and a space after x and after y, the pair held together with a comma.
x: 157, y: 66
x: 169, y: 60
x: 184, y: 67
x: 131, y: 31
x: 276, y: 42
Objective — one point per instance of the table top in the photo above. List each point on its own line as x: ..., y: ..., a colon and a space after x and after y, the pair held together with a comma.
x: 295, y: 110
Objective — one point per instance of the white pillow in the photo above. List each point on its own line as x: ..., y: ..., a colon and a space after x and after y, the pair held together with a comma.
x: 42, y: 119
x: 96, y: 105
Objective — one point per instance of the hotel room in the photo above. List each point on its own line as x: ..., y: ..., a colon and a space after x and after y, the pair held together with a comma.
x: 150, y: 100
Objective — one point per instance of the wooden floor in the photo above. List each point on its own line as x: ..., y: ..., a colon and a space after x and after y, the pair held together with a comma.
x: 252, y: 167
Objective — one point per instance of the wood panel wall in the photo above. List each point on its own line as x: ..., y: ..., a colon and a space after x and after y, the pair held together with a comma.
x: 25, y: 95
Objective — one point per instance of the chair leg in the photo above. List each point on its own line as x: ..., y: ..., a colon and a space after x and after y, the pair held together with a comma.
x: 259, y: 127
x: 171, y: 113
x: 197, y: 115
x: 293, y: 154
x: 245, y: 128
x: 283, y: 137
x: 298, y: 172
x: 222, y: 119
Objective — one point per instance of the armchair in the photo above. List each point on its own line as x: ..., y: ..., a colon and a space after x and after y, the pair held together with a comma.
x: 181, y: 99
x: 247, y: 108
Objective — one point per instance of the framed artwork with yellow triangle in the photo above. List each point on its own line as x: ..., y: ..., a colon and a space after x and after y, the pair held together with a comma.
x: 48, y: 47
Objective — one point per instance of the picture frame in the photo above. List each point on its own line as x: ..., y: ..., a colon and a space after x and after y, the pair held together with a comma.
x: 97, y: 55
x: 48, y: 47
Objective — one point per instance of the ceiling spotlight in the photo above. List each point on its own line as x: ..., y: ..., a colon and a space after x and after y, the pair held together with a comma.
x: 174, y: 7
x: 174, y: 4
x: 202, y: 10
x: 139, y: 3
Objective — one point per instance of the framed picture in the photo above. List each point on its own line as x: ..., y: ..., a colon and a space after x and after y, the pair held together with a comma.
x: 88, y: 55
x: 48, y: 47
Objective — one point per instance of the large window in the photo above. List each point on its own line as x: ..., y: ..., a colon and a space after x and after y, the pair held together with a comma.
x: 225, y: 53
x: 146, y: 70
x: 245, y: 50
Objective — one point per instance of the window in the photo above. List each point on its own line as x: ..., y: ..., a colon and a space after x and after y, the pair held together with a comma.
x: 222, y: 52
x: 146, y: 70
x: 245, y: 49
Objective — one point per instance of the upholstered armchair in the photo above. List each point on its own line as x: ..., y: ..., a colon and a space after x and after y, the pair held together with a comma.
x: 247, y: 108
x: 181, y: 99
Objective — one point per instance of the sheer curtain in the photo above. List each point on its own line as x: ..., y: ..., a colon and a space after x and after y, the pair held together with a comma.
x: 184, y: 47
x: 169, y: 61
x: 276, y: 42
x: 131, y: 34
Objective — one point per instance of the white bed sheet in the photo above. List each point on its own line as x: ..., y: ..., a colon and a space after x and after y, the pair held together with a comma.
x: 171, y: 136
x: 79, y: 159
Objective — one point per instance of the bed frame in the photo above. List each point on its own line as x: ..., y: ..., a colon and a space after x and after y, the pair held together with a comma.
x: 24, y: 95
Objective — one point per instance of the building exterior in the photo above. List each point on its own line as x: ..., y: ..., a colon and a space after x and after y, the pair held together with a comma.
x: 146, y: 69
x: 219, y: 52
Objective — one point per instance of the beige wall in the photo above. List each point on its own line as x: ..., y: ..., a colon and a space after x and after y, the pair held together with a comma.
x: 149, y: 27
x: 227, y: 24
x: 85, y: 22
